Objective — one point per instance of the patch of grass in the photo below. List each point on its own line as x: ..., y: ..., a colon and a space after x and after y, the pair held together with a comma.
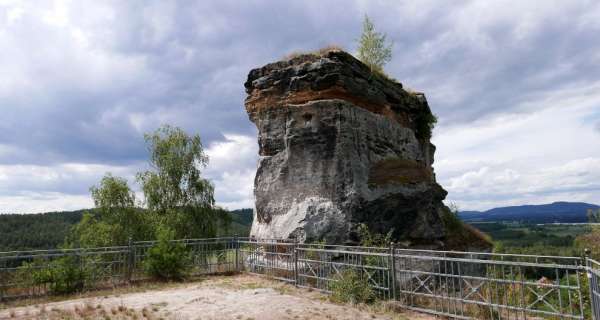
x: 140, y: 286
x: 397, y: 171
x: 87, y: 311
x: 250, y: 286
x: 315, y: 53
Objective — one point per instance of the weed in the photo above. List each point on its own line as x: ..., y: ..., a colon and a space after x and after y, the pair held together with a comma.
x: 351, y: 287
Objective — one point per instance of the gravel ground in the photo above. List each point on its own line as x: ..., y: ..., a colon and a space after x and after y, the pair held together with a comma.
x: 241, y: 297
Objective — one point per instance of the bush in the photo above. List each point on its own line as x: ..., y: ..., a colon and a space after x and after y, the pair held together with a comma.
x: 167, y: 260
x: 63, y: 276
x: 67, y: 276
x: 350, y: 287
x: 425, y: 122
x: 372, y: 239
x: 591, y: 241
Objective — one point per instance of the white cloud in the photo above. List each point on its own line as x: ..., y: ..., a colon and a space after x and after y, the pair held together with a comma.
x: 232, y: 167
x: 549, y: 155
x: 32, y: 202
x: 64, y: 184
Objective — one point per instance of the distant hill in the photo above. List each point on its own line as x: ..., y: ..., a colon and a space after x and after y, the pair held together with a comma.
x: 36, y: 231
x: 48, y: 230
x: 241, y: 221
x: 565, y: 212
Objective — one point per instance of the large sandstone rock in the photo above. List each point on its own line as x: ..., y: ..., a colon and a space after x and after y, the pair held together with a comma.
x: 339, y: 146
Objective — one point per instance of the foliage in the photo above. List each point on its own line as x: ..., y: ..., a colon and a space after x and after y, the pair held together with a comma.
x: 459, y: 235
x: 239, y: 223
x: 174, y: 188
x: 53, y: 229
x: 315, y: 254
x: 167, y: 259
x: 531, y: 238
x: 63, y: 275
x: 116, y: 219
x: 425, y: 122
x: 593, y: 215
x: 590, y: 241
x: 350, y: 287
x: 373, y: 49
x: 371, y: 239
x: 112, y: 196
x: 36, y: 231
x: 91, y: 232
x: 451, y: 220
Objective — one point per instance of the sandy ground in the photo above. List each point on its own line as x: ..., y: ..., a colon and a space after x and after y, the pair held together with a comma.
x: 241, y: 297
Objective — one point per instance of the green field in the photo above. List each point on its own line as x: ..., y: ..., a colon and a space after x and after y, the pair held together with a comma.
x: 542, y: 239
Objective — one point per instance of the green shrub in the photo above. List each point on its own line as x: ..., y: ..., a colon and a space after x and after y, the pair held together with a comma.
x: 425, y: 122
x: 350, y: 287
x: 62, y: 276
x: 67, y: 275
x: 167, y: 260
x: 591, y: 241
x: 373, y: 239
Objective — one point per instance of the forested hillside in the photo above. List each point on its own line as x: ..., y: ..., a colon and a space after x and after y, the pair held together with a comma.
x: 45, y: 230
x: 565, y: 212
x: 48, y: 230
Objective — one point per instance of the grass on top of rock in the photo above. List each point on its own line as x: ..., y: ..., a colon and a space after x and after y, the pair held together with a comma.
x: 315, y: 53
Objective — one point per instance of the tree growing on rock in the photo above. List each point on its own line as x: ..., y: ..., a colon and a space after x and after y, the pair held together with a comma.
x: 373, y: 49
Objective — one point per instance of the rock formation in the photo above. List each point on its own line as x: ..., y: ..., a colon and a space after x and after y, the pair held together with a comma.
x: 340, y: 145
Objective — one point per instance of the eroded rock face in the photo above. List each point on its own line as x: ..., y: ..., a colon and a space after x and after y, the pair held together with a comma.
x: 341, y: 146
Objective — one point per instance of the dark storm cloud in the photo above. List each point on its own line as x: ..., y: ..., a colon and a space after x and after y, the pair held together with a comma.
x: 192, y: 59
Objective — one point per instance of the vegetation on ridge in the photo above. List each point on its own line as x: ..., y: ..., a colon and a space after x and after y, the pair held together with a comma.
x: 50, y: 230
x: 373, y: 49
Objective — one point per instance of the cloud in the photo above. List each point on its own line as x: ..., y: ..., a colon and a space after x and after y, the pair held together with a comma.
x: 549, y: 155
x: 514, y: 84
x: 43, y: 202
x: 232, y: 167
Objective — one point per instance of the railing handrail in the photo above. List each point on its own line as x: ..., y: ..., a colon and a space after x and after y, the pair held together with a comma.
x: 271, y: 256
x: 490, y: 254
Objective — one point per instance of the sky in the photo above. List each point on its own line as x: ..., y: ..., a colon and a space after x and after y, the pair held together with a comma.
x: 515, y: 85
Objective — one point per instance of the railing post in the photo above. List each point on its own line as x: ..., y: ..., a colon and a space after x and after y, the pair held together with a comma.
x: 295, y: 257
x: 130, y: 259
x: 236, y: 243
x: 393, y: 269
x: 588, y: 272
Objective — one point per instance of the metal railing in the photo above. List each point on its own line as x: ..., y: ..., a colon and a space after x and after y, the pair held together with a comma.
x: 463, y: 285
x: 593, y: 269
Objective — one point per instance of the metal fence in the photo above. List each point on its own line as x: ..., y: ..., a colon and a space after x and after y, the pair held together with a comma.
x: 593, y: 269
x: 463, y: 285
x: 29, y: 273
x: 490, y: 286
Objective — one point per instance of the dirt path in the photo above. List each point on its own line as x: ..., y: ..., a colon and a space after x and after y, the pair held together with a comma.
x: 242, y: 297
